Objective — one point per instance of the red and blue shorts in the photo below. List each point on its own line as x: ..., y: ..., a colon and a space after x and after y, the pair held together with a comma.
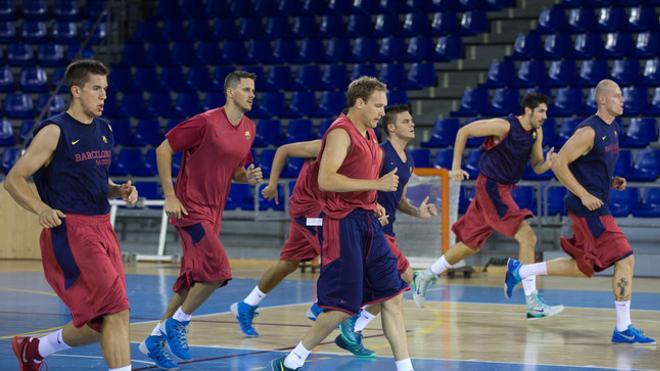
x: 303, y: 241
x: 402, y: 262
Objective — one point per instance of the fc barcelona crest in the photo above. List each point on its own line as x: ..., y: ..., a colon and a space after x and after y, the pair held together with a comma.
x: 247, y: 135
x: 105, y: 140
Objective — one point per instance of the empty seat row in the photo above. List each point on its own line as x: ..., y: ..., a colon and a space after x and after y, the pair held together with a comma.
x: 22, y: 105
x: 65, y: 10
x: 36, y: 32
x: 47, y: 55
x: 605, y: 19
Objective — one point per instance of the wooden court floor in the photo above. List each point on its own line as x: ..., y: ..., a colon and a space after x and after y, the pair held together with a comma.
x: 467, y: 324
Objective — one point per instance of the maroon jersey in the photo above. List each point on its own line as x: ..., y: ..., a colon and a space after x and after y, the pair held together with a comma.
x: 304, y: 198
x: 363, y: 161
x: 212, y: 150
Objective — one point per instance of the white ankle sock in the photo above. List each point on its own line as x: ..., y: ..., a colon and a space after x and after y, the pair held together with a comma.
x: 536, y: 269
x: 529, y: 285
x: 156, y: 331
x: 52, y: 343
x: 181, y: 316
x: 404, y: 365
x: 622, y: 315
x: 440, y: 266
x: 363, y: 320
x: 125, y: 368
x: 255, y: 297
x: 297, y: 356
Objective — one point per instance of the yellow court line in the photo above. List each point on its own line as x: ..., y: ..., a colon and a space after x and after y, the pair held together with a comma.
x: 36, y: 292
x: 45, y: 330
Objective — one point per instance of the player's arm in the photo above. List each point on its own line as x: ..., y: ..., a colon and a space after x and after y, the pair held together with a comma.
x: 164, y: 153
x: 336, y: 149
x: 252, y: 175
x: 38, y: 154
x: 539, y: 164
x: 126, y: 191
x: 424, y: 211
x: 308, y: 149
x: 577, y: 146
x: 481, y: 128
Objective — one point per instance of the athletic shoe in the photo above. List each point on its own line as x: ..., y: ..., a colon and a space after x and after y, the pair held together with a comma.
x: 422, y: 281
x: 632, y: 335
x: 26, y: 350
x: 538, y: 309
x: 175, y: 334
x: 356, y: 348
x: 314, y: 311
x: 244, y: 313
x: 512, y: 278
x: 154, y: 348
x: 278, y: 365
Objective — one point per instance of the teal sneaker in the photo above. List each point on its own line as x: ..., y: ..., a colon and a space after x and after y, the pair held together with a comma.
x: 278, y: 365
x: 422, y: 281
x: 512, y: 278
x: 356, y: 348
x: 244, y: 314
x: 176, y: 335
x: 632, y: 335
x: 154, y: 348
x: 538, y: 309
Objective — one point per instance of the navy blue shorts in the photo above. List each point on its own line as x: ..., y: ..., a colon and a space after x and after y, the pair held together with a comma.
x: 357, y: 264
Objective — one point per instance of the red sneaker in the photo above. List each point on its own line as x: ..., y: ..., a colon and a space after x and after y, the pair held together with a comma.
x: 27, y: 353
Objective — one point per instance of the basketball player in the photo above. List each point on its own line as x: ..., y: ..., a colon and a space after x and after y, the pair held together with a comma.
x: 509, y: 143
x: 69, y: 159
x: 216, y: 148
x: 585, y: 165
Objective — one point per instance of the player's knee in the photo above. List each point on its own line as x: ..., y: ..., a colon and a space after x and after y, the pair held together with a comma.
x: 628, y: 263
x: 407, y: 275
x: 526, y: 236
x: 117, y: 319
x: 393, y: 304
x: 289, y: 266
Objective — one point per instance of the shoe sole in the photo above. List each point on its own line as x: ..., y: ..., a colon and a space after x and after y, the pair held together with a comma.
x: 234, y: 310
x: 373, y: 355
x: 143, y: 349
x: 551, y: 314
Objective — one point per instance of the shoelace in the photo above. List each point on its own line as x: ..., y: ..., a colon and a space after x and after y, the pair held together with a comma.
x: 181, y: 331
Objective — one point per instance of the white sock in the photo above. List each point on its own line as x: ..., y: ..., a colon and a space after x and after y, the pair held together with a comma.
x: 156, y: 331
x: 529, y: 285
x: 440, y: 266
x: 622, y: 315
x: 52, y: 343
x: 181, y: 316
x: 363, y: 320
x: 125, y: 368
x: 404, y: 365
x: 536, y: 269
x: 255, y: 297
x: 297, y: 357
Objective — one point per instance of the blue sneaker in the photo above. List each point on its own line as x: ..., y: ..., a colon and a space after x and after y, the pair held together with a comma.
x: 512, y: 278
x: 154, y: 348
x: 244, y: 313
x: 632, y: 335
x: 278, y: 365
x: 314, y: 311
x: 175, y: 334
x: 356, y: 348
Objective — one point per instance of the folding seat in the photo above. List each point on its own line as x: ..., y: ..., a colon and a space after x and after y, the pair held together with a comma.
x: 168, y: 9
x: 466, y: 5
x: 323, y: 126
x: 364, y: 50
x: 473, y: 102
x: 358, y: 25
x: 200, y: 78
x: 623, y: 203
x: 587, y: 46
x: 617, y: 45
x: 112, y: 108
x: 473, y: 22
x: 9, y: 158
x: 304, y: 26
x: 625, y: 71
x: 647, y: 45
x: 363, y: 70
x: 581, y: 20
x: 527, y: 46
x: 148, y: 80
x: 650, y: 205
x: 291, y: 170
x: 651, y: 73
x: 65, y: 32
x: 58, y: 103
x: 265, y: 160
x: 198, y: 30
x: 338, y: 50
x: 94, y: 8
x: 472, y: 163
x: 183, y: 53
x: 147, y: 133
x: 265, y: 204
x: 239, y: 8
x: 555, y: 201
x: 8, y: 10
x: 223, y: 30
x: 332, y: 26
x: 174, y: 79
x: 34, y: 32
x: 121, y: 79
x: 549, y: 132
x: 34, y: 80
x: 214, y: 99
x: 504, y: 101
x: 525, y: 197
x: 560, y: 73
x: 269, y: 104
x: 388, y: 6
x: 421, y: 157
x: 444, y: 158
x: 134, y: 163
x: 7, y: 31
x: 501, y: 73
x: 269, y: 133
x: 640, y: 133
x: 20, y: 55
x: 123, y: 133
x: 6, y: 133
x: 148, y: 31
x: 335, y: 76
x: 635, y: 100
x: 311, y: 51
x: 276, y: 27
x: 220, y: 73
x: 302, y: 104
x: 331, y: 104
x: 444, y: 23
x: 285, y: 51
x: 443, y: 133
x: 240, y: 197
x: 552, y: 21
x: 250, y: 28
x: 610, y: 19
x: 591, y: 72
x: 363, y: 7
x: 133, y: 104
x: 642, y: 19
x: 473, y: 142
x: 76, y: 51
x: 396, y: 96
x: 135, y: 55
x: 263, y: 8
x: 387, y: 25
x: 567, y: 129
x: 391, y: 49
x: 419, y: 49
x: 149, y: 190
x: 530, y: 73
x: 277, y: 78
x: 25, y: 131
x: 234, y: 52
x: 35, y: 10
x: 100, y: 32
x: 298, y: 131
x: 210, y: 53
x: 188, y: 104
x: 624, y: 164
x: 393, y: 74
x: 7, y: 83
x: 19, y: 106
x: 160, y: 53
x: 557, y: 46
x: 415, y: 24
x: 567, y: 102
x: 421, y: 75
x: 646, y: 166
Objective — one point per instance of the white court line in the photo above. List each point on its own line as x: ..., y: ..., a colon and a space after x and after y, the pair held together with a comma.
x: 96, y: 357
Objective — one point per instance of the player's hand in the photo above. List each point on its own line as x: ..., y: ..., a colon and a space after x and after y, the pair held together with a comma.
x: 270, y: 193
x: 458, y: 174
x: 619, y: 183
x: 128, y: 192
x: 550, y: 157
x: 426, y: 210
x: 389, y: 182
x: 591, y: 202
x: 51, y: 218
x: 254, y: 175
x: 174, y: 208
x: 381, y: 214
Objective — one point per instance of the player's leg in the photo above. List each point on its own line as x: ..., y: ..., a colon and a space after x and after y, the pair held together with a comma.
x: 395, y: 331
x: 625, y: 332
x: 115, y: 341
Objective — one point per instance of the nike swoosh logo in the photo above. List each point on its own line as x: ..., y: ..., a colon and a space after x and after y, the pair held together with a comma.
x: 74, y: 142
x: 627, y: 336
x: 538, y: 310
x: 605, y: 137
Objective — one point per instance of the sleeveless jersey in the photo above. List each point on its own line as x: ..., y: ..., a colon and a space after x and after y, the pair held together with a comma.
x: 390, y: 200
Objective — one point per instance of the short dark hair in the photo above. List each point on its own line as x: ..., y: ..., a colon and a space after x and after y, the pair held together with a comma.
x: 362, y: 88
x: 533, y: 100
x: 77, y: 72
x: 234, y: 78
x: 390, y: 115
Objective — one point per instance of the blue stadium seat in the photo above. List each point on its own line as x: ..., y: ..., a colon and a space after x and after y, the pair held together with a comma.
x: 635, y: 99
x: 123, y: 133
x: 358, y: 25
x: 323, y: 126
x: 465, y: 197
x: 25, y: 131
x: 147, y: 132
x: 561, y: 73
x: 623, y: 203
x: 473, y: 142
x: 149, y: 190
x: 591, y: 72
x: 9, y: 158
x: 640, y: 133
x: 473, y: 102
x: 415, y: 24
x: 8, y: 10
x: 19, y: 106
x: 581, y: 20
x: 268, y: 104
x: 567, y: 102
x: 473, y: 22
x: 35, y: 10
x: 100, y: 32
x: 269, y: 133
x: 133, y: 161
x: 551, y: 21
x: 224, y: 29
x: 292, y: 169
x: 184, y: 53
x: 651, y: 73
x: 277, y: 78
x: 550, y: 133
x: 654, y: 107
x: 199, y: 30
x: 76, y: 51
x: 168, y: 9
x: 308, y: 77
x: 311, y: 51
x: 650, y: 206
x: 65, y: 32
x: 276, y: 27
x: 362, y: 7
x: 391, y: 49
x: 642, y: 18
x: 7, y: 31
x: 270, y: 204
x: 6, y: 133
x: 112, y: 107
x: 214, y: 99
x: 20, y: 55
x: 240, y: 197
x: 527, y: 46
x: 259, y: 51
x: 555, y: 201
x: 421, y: 157
x: 443, y: 133
x: 388, y: 6
x: 265, y: 161
x: 530, y: 73
x: 234, y: 52
x: 419, y: 49
x: 188, y: 104
x: 7, y: 82
x: 625, y: 71
x: 500, y: 73
x: 285, y: 51
x: 448, y: 48
x: 525, y: 197
x: 363, y: 70
x: 304, y: 26
x: 148, y: 80
x: 174, y: 79
x: 174, y: 31
x: 249, y: 28
x: 393, y: 74
x: 396, y: 96
x: 566, y: 130
x: 364, y: 50
x: 504, y: 101
x: 587, y: 46
x: 646, y: 166
x: 444, y: 23
x: 610, y: 19
x: 94, y: 8
x: 239, y: 8
x: 162, y: 104
x: 34, y: 32
x: 618, y: 45
x: 624, y: 164
x: 472, y: 163
x: 200, y: 78
x: 421, y: 75
x: 387, y: 25
x: 298, y: 131
x: 444, y: 158
x: 263, y: 8
x: 590, y: 105
x: 210, y: 52
x: 557, y: 46
x: 303, y: 104
x: 148, y: 31
x: 57, y: 104
x: 134, y: 55
x: 331, y: 104
x: 335, y: 77
x: 331, y: 26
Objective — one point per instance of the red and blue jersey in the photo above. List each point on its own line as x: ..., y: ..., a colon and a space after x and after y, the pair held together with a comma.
x: 303, y: 200
x: 76, y: 179
x: 390, y: 200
